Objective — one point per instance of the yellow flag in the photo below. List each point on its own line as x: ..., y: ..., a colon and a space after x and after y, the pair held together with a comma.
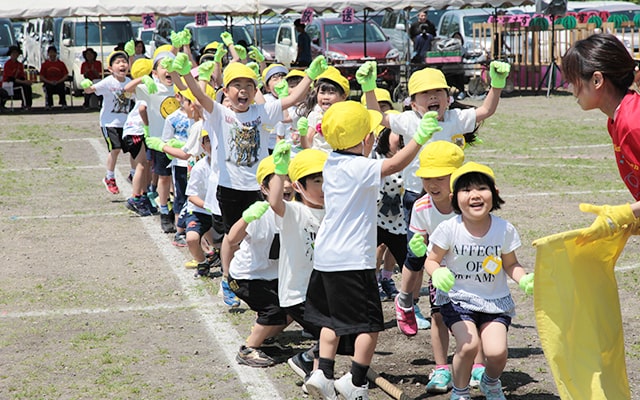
x: 578, y: 315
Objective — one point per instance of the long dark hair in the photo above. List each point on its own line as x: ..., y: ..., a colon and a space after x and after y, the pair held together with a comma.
x: 479, y: 179
x: 324, y: 85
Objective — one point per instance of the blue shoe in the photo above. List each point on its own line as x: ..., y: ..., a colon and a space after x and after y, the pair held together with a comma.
x: 228, y: 296
x: 440, y: 381
x: 492, y: 392
x: 423, y: 323
x: 152, y: 198
x: 389, y: 287
x: 476, y: 376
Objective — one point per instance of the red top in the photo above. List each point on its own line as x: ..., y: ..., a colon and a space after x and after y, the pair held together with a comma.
x: 53, y: 70
x: 91, y: 70
x: 625, y: 133
x: 13, y: 69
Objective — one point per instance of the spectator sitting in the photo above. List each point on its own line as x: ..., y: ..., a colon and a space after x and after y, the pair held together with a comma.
x: 14, y: 72
x: 91, y: 69
x: 53, y: 74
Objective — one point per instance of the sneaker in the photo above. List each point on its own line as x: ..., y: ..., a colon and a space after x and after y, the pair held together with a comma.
x: 383, y: 295
x: 349, y: 391
x: 111, y: 186
x: 130, y: 178
x: 152, y: 198
x: 203, y: 270
x: 167, y: 224
x: 180, y: 240
x: 147, y: 203
x: 492, y: 392
x: 193, y: 264
x: 389, y: 287
x: 228, y: 296
x: 476, y: 376
x: 137, y: 206
x: 406, y: 319
x: 440, y: 381
x: 458, y: 397
x: 319, y: 387
x: 300, y: 366
x: 253, y: 357
x: 214, y: 258
x: 422, y: 322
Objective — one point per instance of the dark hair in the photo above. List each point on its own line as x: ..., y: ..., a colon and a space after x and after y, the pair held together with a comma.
x: 322, y: 85
x: 12, y: 49
x: 382, y: 146
x: 599, y: 52
x: 475, y: 178
x: 144, y: 49
x: 303, y: 182
x: 52, y: 48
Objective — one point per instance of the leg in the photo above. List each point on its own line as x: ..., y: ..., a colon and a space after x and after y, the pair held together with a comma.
x: 467, y: 344
x: 48, y: 90
x: 494, y: 346
x: 140, y: 164
x: 112, y: 158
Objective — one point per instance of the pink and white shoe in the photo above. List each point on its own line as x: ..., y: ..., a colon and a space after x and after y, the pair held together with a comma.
x: 406, y: 319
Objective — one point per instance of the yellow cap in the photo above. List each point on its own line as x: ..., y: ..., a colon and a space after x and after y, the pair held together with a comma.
x: 381, y: 95
x: 141, y: 67
x: 265, y: 168
x: 471, y: 167
x: 347, y: 123
x: 439, y: 158
x: 115, y: 54
x: 295, y: 72
x: 333, y: 74
x: 163, y: 48
x: 203, y: 134
x: 237, y: 70
x: 213, y: 46
x: 271, y: 70
x: 307, y: 162
x: 426, y: 79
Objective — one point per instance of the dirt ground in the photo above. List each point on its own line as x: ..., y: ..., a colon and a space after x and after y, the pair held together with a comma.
x: 95, y: 303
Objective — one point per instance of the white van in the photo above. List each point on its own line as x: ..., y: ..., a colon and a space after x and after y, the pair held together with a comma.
x: 101, y: 34
x: 40, y: 33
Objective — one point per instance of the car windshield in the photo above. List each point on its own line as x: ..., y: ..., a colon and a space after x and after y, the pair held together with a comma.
x: 204, y: 35
x: 268, y: 33
x: 6, y: 39
x: 113, y: 32
x: 353, y: 33
x: 475, y: 19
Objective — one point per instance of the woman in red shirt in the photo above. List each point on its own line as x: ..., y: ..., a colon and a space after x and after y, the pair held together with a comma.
x: 13, y: 71
x: 91, y: 69
x: 53, y: 73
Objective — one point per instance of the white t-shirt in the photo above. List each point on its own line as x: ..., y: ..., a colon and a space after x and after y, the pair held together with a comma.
x: 390, y: 210
x: 456, y: 122
x: 347, y: 237
x: 298, y: 228
x: 315, y: 122
x: 425, y: 216
x: 177, y: 125
x: 116, y: 102
x: 276, y: 130
x: 251, y: 260
x: 242, y: 140
x: 133, y: 125
x: 197, y: 183
x: 476, y: 289
x: 211, y: 199
x: 159, y: 105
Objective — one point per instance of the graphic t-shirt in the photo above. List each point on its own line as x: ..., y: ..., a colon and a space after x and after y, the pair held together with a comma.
x: 116, y: 102
x: 160, y: 105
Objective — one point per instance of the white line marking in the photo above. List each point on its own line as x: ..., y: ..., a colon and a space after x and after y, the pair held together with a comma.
x: 112, y: 214
x: 80, y: 311
x: 586, y: 146
x: 62, y: 167
x: 582, y: 192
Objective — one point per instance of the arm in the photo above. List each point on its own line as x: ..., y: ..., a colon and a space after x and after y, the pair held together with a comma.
x: 434, y: 259
x: 489, y: 105
x: 317, y: 67
x: 205, y: 101
x: 237, y: 232
x: 196, y: 201
x: 512, y: 267
x: 281, y: 158
x: 131, y: 86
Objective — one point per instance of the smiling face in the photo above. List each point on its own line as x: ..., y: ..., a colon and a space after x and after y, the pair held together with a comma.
x: 438, y: 189
x: 475, y: 202
x: 328, y: 95
x: 241, y: 93
x: 431, y: 100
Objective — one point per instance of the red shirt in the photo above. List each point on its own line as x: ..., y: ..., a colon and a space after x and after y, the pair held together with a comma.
x: 53, y: 70
x: 13, y: 69
x: 91, y: 70
x: 625, y: 134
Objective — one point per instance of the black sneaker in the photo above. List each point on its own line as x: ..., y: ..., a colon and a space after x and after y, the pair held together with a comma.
x: 253, y: 357
x: 389, y: 287
x: 300, y: 366
x: 214, y: 258
x: 138, y: 207
x: 203, y: 270
x: 147, y: 203
x: 167, y: 224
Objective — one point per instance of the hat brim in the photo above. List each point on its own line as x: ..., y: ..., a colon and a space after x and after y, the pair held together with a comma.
x: 434, y: 172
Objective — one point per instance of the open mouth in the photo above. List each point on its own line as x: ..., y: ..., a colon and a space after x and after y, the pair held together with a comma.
x: 287, y: 195
x: 433, y: 107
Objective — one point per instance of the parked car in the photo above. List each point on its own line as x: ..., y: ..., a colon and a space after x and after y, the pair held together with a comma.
x: 6, y: 39
x: 265, y: 37
x: 39, y: 34
x: 203, y: 35
x: 166, y: 24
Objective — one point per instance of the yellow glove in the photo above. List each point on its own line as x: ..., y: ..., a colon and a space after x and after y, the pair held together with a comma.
x: 609, y: 220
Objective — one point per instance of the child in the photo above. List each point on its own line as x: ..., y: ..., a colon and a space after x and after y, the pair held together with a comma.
x: 342, y: 296
x: 470, y: 257
x: 116, y: 104
x: 253, y: 270
x: 271, y: 76
x: 53, y: 73
x: 91, y: 69
x: 331, y: 87
x: 601, y: 70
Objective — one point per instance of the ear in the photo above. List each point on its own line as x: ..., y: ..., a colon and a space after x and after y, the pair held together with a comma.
x: 598, y: 79
x: 296, y: 186
x: 450, y: 196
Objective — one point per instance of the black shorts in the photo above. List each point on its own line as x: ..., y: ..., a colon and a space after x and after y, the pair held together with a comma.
x: 346, y: 302
x: 452, y: 313
x: 233, y: 203
x: 396, y: 243
x: 132, y: 144
x: 297, y: 314
x: 262, y: 297
x: 218, y: 229
x: 160, y: 163
x: 413, y: 262
x: 113, y: 137
x: 199, y: 222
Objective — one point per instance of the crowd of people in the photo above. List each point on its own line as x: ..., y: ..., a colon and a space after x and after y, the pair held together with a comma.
x: 306, y: 200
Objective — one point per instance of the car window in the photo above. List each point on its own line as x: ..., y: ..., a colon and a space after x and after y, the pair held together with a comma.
x: 113, y: 32
x: 444, y: 27
x: 284, y: 33
x: 353, y: 33
x: 474, y: 19
x: 6, y: 38
x: 268, y: 33
x: 313, y: 31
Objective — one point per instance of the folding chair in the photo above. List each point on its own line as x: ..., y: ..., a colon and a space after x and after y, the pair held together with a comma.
x: 13, y: 91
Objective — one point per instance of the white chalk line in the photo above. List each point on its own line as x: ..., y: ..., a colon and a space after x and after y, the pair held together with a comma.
x: 574, y: 147
x: 89, y: 311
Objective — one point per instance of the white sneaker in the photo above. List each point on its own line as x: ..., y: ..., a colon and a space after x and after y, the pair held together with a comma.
x: 320, y: 387
x: 346, y: 388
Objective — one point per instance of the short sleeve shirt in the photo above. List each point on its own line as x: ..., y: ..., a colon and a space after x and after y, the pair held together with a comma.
x: 160, y: 105
x: 197, y: 183
x: 251, y: 260
x: 116, y: 102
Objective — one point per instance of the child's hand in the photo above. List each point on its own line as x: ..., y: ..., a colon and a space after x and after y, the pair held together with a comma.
x: 282, y: 157
x: 417, y: 245
x: 167, y: 63
x: 181, y: 64
x: 86, y: 83
x: 154, y: 143
x: 176, y: 39
x: 175, y: 143
x: 255, y: 211
x: 242, y: 52
x: 255, y: 54
x: 227, y: 39
x: 609, y: 220
x: 219, y: 54
x: 205, y: 70
x: 186, y: 37
x: 130, y: 47
x: 282, y: 89
x: 443, y: 279
x: 526, y: 283
x: 256, y: 70
x: 498, y: 71
x: 317, y: 67
x: 366, y: 76
x: 303, y: 126
x: 428, y: 126
x: 150, y: 84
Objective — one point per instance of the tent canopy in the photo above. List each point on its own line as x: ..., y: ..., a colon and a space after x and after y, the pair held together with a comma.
x: 68, y: 8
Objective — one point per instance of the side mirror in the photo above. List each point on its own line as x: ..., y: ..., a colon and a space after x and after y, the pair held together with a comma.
x: 400, y: 27
x: 66, y: 42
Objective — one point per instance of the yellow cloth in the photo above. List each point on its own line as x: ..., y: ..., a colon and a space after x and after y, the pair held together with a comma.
x: 578, y: 315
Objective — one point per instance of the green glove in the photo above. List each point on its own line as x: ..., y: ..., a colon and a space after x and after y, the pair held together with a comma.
x: 317, y: 67
x: 498, y: 71
x: 181, y: 64
x: 443, y: 279
x: 366, y: 76
x: 242, y: 52
x: 282, y: 157
x: 186, y: 37
x: 526, y: 283
x: 86, y: 83
x: 417, y: 245
x: 150, y: 84
x: 176, y: 39
x: 205, y: 70
x: 255, y: 67
x: 175, y: 143
x: 154, y: 143
x: 219, y: 54
x: 145, y: 129
x: 282, y: 89
x: 256, y: 54
x: 227, y: 39
x: 130, y: 47
x: 167, y: 63
x: 428, y: 126
x: 609, y: 220
x: 303, y: 126
x: 255, y: 211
